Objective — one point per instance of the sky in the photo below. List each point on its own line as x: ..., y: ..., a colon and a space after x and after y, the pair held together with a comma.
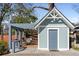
x: 67, y: 9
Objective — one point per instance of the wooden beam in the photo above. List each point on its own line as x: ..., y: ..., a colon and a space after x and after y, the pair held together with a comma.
x: 16, y: 34
x: 54, y: 17
x: 56, y: 14
x: 51, y: 15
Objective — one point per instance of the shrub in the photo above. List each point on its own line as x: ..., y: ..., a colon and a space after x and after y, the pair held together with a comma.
x: 3, y: 47
x: 28, y: 33
x: 75, y: 47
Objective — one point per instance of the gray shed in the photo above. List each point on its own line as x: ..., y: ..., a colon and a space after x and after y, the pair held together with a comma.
x: 53, y: 31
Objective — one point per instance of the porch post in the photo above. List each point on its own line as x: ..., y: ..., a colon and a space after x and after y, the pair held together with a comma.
x: 10, y: 33
x: 23, y: 34
x: 19, y: 37
x: 10, y: 37
x: 16, y: 34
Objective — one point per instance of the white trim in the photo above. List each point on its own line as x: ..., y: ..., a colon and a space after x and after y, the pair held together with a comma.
x: 53, y: 17
x: 60, y: 49
x: 38, y: 38
x: 44, y: 18
x: 63, y: 49
x: 54, y: 25
x: 68, y: 38
x: 39, y: 43
x: 47, y: 38
x: 64, y: 18
x: 56, y: 14
x: 57, y: 37
x: 43, y: 49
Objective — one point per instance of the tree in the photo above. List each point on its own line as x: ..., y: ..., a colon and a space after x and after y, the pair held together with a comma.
x: 4, y: 8
x: 50, y: 7
x: 25, y: 14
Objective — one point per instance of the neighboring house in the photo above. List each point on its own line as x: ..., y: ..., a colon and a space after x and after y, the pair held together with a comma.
x: 53, y: 31
x: 76, y: 36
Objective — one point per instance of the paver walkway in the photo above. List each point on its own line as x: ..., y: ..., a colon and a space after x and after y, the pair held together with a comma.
x: 36, y: 52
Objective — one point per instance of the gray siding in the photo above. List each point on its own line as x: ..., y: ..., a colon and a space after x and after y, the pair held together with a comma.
x: 42, y: 37
x: 63, y: 34
x: 63, y: 38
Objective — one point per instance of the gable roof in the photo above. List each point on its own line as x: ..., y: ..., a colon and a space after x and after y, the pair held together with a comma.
x: 66, y: 21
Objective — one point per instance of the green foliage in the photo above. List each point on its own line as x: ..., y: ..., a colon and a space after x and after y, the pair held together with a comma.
x: 75, y: 47
x: 28, y: 33
x: 5, y: 8
x: 13, y: 31
x: 25, y: 15
x: 3, y: 43
x: 26, y: 19
x: 3, y: 47
x: 0, y: 29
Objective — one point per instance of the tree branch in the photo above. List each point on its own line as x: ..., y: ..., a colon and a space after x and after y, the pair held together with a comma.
x: 40, y: 8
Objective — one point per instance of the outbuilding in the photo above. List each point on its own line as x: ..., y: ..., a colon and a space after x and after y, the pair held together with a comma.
x: 53, y: 31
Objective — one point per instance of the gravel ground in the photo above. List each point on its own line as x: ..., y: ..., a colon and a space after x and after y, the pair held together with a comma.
x: 36, y: 52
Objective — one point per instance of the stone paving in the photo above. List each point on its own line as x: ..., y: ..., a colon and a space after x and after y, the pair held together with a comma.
x: 36, y: 52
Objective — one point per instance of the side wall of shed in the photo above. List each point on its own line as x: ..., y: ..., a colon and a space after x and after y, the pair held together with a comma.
x: 63, y: 34
x: 63, y: 37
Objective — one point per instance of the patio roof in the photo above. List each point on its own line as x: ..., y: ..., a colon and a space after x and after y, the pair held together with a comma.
x: 23, y: 25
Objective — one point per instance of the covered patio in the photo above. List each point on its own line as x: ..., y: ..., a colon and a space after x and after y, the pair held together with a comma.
x: 16, y: 44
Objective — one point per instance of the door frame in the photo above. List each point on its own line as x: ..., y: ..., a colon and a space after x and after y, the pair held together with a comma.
x: 57, y: 37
